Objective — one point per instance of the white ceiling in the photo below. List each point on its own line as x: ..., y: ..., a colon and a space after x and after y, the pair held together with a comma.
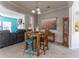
x: 29, y: 5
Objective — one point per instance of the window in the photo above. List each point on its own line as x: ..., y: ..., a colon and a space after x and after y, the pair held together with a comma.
x: 5, y: 25
x: 0, y: 26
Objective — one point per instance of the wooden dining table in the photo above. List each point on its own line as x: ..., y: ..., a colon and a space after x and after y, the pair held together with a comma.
x: 36, y: 41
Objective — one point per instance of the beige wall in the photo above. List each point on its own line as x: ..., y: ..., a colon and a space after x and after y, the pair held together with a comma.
x: 59, y: 14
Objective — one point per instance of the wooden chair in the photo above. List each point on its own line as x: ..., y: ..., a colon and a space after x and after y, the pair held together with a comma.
x: 38, y: 43
x: 51, y: 36
x: 44, y: 41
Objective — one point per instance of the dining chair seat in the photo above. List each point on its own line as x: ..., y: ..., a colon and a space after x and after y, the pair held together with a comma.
x: 29, y: 40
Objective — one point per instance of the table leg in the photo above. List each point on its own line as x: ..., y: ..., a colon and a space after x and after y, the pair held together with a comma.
x: 53, y: 37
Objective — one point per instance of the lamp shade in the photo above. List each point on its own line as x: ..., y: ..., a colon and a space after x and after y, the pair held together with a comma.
x: 38, y: 9
x: 39, y: 12
x: 33, y: 11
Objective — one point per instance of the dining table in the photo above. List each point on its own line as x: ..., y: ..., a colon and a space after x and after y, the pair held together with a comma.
x: 36, y: 36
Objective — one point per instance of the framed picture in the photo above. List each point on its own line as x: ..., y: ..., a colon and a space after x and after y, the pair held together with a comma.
x: 49, y: 23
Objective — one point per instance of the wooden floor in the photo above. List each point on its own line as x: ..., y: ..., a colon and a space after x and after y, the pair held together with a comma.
x: 55, y: 51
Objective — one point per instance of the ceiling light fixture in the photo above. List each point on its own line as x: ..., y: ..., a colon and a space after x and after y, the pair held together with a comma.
x: 37, y: 9
x: 33, y: 11
x: 39, y: 12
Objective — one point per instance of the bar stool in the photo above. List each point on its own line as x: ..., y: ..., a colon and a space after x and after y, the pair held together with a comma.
x: 28, y: 43
x: 44, y: 41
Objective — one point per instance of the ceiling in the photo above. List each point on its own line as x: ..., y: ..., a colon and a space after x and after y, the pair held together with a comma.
x: 29, y: 5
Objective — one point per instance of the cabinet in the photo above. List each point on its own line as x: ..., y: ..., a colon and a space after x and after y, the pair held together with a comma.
x: 66, y: 31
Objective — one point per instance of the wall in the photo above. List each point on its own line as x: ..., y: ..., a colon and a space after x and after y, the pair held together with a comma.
x: 32, y: 22
x: 74, y: 15
x: 9, y: 13
x: 59, y: 13
x: 12, y: 14
x: 13, y: 22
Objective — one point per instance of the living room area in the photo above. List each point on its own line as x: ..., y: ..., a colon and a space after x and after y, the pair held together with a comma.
x: 39, y: 29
